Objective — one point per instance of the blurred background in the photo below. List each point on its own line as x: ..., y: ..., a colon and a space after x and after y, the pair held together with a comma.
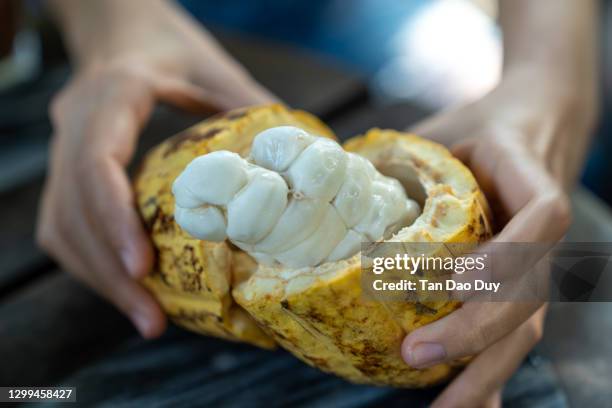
x: 430, y: 53
x: 357, y: 64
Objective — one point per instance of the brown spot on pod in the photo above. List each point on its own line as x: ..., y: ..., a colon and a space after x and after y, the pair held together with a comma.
x: 422, y: 309
x: 192, y: 135
x: 236, y: 114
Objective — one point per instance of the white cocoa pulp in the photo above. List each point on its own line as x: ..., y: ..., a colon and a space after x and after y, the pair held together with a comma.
x: 299, y: 200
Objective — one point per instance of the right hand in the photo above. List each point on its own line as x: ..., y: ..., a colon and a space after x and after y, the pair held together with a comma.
x: 136, y: 57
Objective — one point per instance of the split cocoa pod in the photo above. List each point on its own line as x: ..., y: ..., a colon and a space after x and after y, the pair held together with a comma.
x: 260, y: 241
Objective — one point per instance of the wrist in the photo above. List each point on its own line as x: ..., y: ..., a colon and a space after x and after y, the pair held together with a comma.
x: 552, y: 113
x: 558, y: 90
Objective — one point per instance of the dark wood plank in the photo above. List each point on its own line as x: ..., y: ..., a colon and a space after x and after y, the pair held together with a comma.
x: 20, y: 259
x: 51, y: 328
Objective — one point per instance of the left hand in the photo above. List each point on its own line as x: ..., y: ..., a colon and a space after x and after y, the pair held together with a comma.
x: 525, y: 148
x: 131, y: 54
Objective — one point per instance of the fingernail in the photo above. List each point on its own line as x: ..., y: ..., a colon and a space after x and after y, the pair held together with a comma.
x: 142, y: 323
x: 425, y: 354
x: 128, y: 263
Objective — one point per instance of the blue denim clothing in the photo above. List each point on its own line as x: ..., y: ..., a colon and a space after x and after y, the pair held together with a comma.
x: 355, y: 32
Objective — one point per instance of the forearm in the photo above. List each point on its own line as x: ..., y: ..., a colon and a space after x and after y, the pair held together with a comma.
x: 149, y: 33
x: 90, y: 28
x: 551, y: 59
x: 555, y: 38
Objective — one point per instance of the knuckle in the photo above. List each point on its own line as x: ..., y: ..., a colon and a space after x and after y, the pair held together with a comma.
x: 49, y: 235
x: 562, y: 210
x: 44, y: 236
x: 120, y: 72
x: 57, y: 107
x: 83, y: 167
x: 558, y: 204
x: 89, y: 162
x: 62, y: 224
x: 477, y: 338
x: 118, y: 78
x: 534, y: 331
x: 497, y: 135
x: 128, y: 71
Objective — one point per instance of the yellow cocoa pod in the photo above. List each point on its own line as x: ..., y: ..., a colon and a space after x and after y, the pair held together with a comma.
x: 319, y: 314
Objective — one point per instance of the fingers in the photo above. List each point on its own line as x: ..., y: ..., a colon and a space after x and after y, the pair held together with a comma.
x: 545, y: 218
x: 72, y: 241
x: 508, y: 171
x: 494, y: 401
x: 230, y: 93
x: 187, y: 96
x: 465, y: 332
x: 108, y: 194
x: 451, y: 126
x: 232, y: 87
x: 105, y: 190
x: 101, y: 184
x: 481, y: 381
x: 245, y: 94
x: 539, y: 214
x: 101, y: 272
x: 88, y: 221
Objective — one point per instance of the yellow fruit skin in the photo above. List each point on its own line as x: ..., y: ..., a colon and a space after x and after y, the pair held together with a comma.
x: 322, y: 317
x: 193, y: 279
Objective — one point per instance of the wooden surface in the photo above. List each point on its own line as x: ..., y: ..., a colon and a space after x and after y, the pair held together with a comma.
x: 47, y: 318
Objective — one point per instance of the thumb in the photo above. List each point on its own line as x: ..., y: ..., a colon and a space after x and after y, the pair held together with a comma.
x: 243, y: 92
x: 196, y: 99
x: 449, y: 127
x: 186, y: 95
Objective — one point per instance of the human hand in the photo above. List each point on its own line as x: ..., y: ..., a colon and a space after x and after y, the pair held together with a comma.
x: 87, y: 219
x: 525, y: 148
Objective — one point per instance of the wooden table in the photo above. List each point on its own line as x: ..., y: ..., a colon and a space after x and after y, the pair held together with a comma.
x: 50, y: 325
